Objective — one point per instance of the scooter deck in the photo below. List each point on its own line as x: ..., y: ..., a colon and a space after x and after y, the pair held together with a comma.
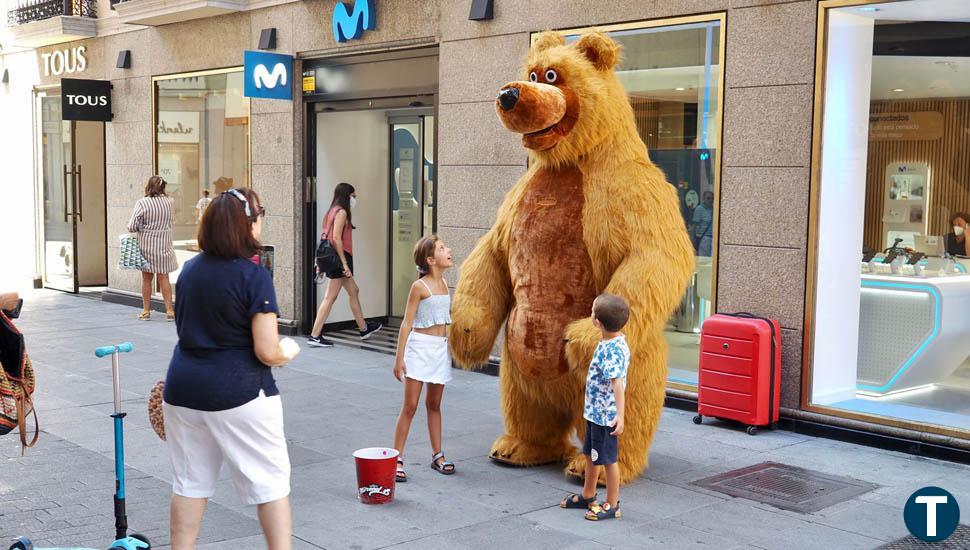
x: 127, y: 543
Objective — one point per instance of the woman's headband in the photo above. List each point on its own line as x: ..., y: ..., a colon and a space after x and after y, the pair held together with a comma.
x: 241, y: 197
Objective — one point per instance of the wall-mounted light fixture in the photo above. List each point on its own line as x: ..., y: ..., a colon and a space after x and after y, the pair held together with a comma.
x: 6, y: 76
x: 267, y: 39
x: 124, y: 59
x: 481, y: 10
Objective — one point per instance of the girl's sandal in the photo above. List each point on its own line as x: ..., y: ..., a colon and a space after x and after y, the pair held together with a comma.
x: 577, y: 501
x: 145, y: 315
x: 445, y: 467
x: 603, y: 511
x: 170, y: 316
x: 399, y: 475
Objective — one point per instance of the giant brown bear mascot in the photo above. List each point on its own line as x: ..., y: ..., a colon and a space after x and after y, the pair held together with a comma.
x: 592, y: 214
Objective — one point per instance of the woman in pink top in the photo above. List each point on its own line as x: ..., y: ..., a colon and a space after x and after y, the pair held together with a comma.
x: 338, y: 222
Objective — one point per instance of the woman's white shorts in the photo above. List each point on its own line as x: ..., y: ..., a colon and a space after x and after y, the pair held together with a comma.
x: 248, y: 438
x: 427, y: 358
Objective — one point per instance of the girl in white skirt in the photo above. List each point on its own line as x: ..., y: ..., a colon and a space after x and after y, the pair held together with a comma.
x: 422, y: 350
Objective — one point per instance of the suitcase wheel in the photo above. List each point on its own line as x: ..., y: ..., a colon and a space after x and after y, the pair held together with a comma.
x: 698, y: 419
x: 752, y: 430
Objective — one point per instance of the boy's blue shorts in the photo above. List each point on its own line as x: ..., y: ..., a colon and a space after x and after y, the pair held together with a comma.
x: 600, y: 445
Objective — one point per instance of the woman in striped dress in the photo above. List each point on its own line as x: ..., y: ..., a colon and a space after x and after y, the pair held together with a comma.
x: 152, y: 220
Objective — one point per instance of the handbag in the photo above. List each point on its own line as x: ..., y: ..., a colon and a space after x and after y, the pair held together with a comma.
x: 17, y: 384
x: 130, y: 256
x: 156, y: 415
x: 328, y: 260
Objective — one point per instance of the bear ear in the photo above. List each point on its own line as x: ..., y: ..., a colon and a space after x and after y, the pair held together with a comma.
x: 547, y: 40
x: 602, y: 51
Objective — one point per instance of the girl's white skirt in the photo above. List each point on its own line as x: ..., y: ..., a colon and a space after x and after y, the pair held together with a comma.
x: 427, y: 358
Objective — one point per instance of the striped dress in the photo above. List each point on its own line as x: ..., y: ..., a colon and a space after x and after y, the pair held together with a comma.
x: 152, y: 221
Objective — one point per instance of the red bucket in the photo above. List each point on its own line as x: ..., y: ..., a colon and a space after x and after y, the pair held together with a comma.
x: 376, y: 467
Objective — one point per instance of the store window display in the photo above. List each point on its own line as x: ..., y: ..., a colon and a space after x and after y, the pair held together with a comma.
x: 889, y: 333
x: 202, y: 144
x: 672, y: 73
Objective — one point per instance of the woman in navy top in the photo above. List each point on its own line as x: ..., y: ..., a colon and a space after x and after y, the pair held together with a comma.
x: 221, y: 401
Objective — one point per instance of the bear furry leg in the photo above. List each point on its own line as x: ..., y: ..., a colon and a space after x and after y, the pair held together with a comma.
x: 536, y: 433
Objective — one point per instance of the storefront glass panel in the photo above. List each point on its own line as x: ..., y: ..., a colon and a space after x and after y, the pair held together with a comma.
x: 672, y: 72
x: 57, y: 196
x: 202, y: 143
x: 890, y: 335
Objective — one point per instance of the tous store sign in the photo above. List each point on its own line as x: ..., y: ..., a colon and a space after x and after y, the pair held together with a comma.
x: 66, y: 61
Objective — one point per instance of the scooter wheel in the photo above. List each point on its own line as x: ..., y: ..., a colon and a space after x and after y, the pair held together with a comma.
x: 698, y: 419
x: 752, y: 430
x: 22, y: 543
x: 142, y: 538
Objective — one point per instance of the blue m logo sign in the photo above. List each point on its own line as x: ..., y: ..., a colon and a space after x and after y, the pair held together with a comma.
x: 267, y: 75
x: 349, y: 25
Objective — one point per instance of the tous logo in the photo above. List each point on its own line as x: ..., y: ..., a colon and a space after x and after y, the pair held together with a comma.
x: 88, y: 100
x: 59, y: 62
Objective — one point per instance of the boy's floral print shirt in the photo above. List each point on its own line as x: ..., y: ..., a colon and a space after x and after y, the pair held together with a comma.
x: 610, y: 360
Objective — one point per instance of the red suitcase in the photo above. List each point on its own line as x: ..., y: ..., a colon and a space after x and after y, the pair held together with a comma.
x: 740, y: 370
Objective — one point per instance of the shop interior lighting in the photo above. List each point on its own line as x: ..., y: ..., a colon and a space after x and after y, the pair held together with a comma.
x: 898, y: 90
x: 680, y: 89
x: 124, y: 59
x: 267, y: 39
x: 481, y: 10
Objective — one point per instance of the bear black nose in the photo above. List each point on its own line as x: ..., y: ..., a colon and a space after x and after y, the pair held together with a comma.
x: 508, y: 97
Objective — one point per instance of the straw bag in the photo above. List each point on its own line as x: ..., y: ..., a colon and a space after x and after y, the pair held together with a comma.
x: 130, y: 256
x: 16, y: 384
x: 155, y: 415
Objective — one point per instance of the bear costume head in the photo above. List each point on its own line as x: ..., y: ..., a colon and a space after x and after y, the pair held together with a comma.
x: 567, y: 105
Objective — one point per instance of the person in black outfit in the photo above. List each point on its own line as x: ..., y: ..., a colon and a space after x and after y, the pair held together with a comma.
x: 957, y: 243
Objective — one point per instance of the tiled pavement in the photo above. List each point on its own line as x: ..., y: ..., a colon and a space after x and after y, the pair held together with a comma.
x: 341, y: 399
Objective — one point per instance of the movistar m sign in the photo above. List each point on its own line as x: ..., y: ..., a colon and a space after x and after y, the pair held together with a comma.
x: 268, y: 75
x: 350, y: 23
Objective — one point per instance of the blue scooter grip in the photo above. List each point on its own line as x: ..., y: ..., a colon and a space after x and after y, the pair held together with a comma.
x: 108, y: 350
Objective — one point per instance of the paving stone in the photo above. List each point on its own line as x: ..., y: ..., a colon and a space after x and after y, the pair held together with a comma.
x: 341, y: 399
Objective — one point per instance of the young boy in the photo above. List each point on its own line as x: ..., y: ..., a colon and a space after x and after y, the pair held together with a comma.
x: 604, y: 409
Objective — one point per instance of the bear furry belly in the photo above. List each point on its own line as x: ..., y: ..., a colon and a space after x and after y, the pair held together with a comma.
x: 550, y: 269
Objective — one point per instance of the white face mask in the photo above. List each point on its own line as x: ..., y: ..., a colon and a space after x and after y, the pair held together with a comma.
x: 353, y: 202
x: 957, y: 230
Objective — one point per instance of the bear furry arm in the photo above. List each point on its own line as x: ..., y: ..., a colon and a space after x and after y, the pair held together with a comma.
x: 483, y: 296
x: 481, y: 303
x: 647, y: 256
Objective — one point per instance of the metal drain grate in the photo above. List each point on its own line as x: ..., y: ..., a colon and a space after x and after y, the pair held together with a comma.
x: 959, y: 540
x: 786, y: 487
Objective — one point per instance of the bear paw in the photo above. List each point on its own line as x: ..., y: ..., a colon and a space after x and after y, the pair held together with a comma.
x: 577, y: 469
x: 513, y: 451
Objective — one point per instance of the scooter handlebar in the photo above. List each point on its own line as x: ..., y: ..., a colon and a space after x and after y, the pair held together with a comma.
x: 108, y: 350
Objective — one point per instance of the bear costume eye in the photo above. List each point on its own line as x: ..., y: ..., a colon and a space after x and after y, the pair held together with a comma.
x: 533, y: 76
x: 551, y: 76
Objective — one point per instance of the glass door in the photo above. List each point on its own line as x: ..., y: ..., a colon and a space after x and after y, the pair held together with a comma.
x: 59, y: 208
x: 412, y: 177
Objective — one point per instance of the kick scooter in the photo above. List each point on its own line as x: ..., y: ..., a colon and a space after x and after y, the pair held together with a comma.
x: 123, y: 541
